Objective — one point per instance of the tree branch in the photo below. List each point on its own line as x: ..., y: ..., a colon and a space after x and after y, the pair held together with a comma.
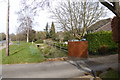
x: 109, y: 6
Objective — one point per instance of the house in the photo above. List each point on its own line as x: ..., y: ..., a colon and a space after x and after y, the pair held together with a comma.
x: 102, y: 25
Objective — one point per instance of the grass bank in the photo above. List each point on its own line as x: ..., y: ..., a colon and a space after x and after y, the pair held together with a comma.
x: 22, y: 53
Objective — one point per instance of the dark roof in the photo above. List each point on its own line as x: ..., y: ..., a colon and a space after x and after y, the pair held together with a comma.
x: 106, y: 27
x: 104, y: 24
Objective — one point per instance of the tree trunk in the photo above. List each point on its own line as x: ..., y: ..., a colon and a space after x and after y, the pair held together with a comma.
x: 117, y: 7
x: 7, y: 31
x: 116, y: 10
x: 28, y: 36
x: 119, y: 52
x: 27, y: 30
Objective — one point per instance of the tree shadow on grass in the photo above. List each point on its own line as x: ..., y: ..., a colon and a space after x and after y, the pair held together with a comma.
x: 13, y: 53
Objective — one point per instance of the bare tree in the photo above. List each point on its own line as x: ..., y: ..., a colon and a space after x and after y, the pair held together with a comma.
x: 7, y: 30
x: 76, y: 16
x: 27, y: 13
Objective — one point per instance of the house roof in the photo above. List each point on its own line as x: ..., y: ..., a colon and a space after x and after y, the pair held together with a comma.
x: 106, y: 27
x: 104, y: 24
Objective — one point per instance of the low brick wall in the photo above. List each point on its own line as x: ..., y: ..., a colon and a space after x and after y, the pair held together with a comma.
x: 78, y: 49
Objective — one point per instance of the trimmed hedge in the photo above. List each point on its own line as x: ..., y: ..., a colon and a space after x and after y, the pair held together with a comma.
x: 101, y: 43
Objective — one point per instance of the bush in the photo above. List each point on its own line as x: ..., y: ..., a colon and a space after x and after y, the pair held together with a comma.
x: 101, y: 43
x: 39, y: 41
x: 46, y: 50
x: 103, y: 49
x: 62, y: 45
x: 52, y: 52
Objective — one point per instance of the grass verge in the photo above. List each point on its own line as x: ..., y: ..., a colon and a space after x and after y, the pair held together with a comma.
x: 22, y: 53
x: 111, y: 74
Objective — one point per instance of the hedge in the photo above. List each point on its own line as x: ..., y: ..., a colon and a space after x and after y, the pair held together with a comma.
x: 101, y: 43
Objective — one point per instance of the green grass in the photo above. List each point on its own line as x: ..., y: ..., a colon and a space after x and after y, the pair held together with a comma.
x: 22, y: 53
x: 28, y: 53
x: 110, y: 74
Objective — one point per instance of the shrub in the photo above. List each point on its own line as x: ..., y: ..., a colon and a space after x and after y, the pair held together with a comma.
x: 62, y: 45
x: 39, y: 41
x: 51, y: 52
x: 101, y: 43
x: 103, y: 49
x: 46, y: 50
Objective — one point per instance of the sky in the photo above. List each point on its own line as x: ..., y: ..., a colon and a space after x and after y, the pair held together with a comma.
x: 42, y: 19
x: 3, y: 15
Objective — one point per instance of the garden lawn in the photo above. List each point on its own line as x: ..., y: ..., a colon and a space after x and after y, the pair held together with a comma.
x: 22, y: 53
x: 110, y: 74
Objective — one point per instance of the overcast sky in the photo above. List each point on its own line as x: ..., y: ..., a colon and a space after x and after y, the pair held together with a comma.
x: 14, y: 7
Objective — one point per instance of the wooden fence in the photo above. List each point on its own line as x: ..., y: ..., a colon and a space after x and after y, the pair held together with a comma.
x: 59, y: 45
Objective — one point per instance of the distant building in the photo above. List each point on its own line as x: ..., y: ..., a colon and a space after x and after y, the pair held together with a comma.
x: 102, y: 25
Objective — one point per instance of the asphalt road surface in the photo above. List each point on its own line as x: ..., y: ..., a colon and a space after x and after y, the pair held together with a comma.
x: 55, y: 69
x: 3, y: 44
x: 59, y: 69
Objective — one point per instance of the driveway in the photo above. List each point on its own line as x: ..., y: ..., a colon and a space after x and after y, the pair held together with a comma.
x: 59, y: 69
x: 56, y: 69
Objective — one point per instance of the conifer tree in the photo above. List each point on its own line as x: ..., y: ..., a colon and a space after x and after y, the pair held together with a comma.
x: 47, y: 32
x: 52, y: 31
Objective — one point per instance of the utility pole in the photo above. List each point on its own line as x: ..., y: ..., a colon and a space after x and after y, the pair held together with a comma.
x: 7, y: 29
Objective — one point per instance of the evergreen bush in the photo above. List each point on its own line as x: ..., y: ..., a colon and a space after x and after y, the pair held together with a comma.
x: 101, y: 43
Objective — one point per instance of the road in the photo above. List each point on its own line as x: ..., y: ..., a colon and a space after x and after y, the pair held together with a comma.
x: 2, y: 41
x: 59, y: 69
x: 3, y: 44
